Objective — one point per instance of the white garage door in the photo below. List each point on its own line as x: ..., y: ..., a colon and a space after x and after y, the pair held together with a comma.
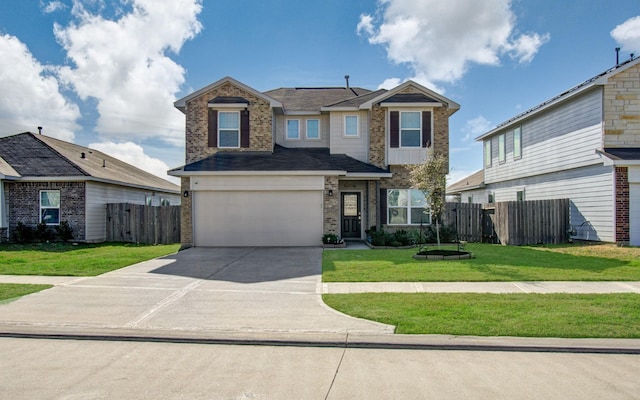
x: 634, y: 213
x: 257, y: 218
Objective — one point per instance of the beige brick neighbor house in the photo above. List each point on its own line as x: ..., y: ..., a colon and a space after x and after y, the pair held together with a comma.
x: 284, y: 167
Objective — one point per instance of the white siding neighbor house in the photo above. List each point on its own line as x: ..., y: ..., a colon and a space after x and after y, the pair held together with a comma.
x: 583, y: 145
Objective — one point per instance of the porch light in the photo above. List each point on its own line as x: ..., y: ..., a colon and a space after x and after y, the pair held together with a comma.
x: 330, y: 192
x: 185, y: 193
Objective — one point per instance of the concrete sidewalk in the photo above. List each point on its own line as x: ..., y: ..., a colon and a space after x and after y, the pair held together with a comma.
x: 408, y: 287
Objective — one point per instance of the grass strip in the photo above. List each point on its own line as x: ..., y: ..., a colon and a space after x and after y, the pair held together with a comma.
x: 10, y: 291
x: 571, y: 262
x: 76, y: 260
x: 525, y: 315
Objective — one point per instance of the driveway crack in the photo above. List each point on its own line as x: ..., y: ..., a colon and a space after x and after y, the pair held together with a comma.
x: 240, y: 257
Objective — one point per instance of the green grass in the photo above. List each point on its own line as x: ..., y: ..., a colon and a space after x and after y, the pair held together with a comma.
x: 10, y: 291
x: 75, y: 260
x: 525, y: 315
x: 492, y: 263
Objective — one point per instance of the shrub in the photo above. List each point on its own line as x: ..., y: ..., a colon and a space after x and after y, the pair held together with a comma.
x: 403, y: 238
x: 378, y: 238
x: 65, y: 231
x: 331, y: 238
x: 43, y: 233
x: 23, y: 233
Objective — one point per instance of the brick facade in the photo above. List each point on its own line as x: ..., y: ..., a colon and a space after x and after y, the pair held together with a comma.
x: 23, y: 200
x: 622, y: 109
x: 331, y: 205
x: 186, y: 217
x: 197, y: 109
x: 623, y: 235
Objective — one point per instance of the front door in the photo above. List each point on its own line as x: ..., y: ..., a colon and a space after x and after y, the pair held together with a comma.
x: 351, y: 215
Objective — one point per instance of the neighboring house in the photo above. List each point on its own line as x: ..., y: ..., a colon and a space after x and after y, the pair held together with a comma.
x: 43, y: 179
x: 284, y: 167
x: 584, y: 145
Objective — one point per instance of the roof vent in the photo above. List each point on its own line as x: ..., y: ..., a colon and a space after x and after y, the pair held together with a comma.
x: 617, y: 56
x: 104, y: 163
x: 39, y: 130
x: 346, y: 78
x: 82, y: 155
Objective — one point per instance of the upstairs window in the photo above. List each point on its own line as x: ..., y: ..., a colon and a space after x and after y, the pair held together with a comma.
x: 501, y: 149
x: 50, y: 207
x: 228, y: 129
x: 293, y: 129
x: 487, y: 153
x: 410, y: 129
x: 517, y: 143
x: 351, y: 126
x: 313, y: 129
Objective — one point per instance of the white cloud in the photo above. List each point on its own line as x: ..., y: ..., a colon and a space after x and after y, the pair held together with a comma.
x: 124, y: 65
x: 476, y: 127
x: 133, y: 154
x: 31, y: 95
x: 439, y: 40
x: 627, y: 34
x: 390, y: 83
x: 52, y: 6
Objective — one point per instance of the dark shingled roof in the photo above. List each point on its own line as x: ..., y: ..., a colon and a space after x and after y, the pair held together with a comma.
x: 624, y: 153
x: 31, y: 157
x: 410, y: 98
x: 312, y: 99
x: 357, y: 101
x: 228, y: 100
x: 282, y: 159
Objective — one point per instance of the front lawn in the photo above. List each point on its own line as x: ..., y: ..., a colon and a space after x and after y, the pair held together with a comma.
x: 524, y: 315
x: 571, y: 262
x: 13, y: 290
x: 75, y: 260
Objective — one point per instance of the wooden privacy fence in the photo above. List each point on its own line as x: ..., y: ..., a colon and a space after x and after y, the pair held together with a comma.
x: 139, y: 223
x: 511, y: 222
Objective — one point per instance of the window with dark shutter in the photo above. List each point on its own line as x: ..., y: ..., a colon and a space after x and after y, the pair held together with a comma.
x: 394, y: 129
x: 426, y: 129
x: 244, y: 128
x: 213, y: 128
x: 382, y: 201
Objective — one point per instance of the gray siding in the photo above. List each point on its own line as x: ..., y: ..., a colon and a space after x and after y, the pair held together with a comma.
x: 352, y: 146
x: 590, y: 190
x: 99, y: 194
x: 563, y: 138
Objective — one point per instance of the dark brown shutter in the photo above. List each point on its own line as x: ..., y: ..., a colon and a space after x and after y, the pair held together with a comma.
x: 426, y: 129
x: 394, y: 128
x: 213, y: 128
x: 244, y: 128
x: 382, y: 200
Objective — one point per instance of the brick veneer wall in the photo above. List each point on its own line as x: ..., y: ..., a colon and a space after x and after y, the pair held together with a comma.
x: 186, y: 218
x: 23, y: 199
x: 622, y: 109
x: 623, y: 235
x: 331, y: 205
x: 197, y: 112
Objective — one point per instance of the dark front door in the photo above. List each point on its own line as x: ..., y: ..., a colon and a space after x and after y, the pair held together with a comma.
x: 350, y: 212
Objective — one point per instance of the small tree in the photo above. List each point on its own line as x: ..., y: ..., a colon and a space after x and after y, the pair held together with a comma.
x: 431, y: 179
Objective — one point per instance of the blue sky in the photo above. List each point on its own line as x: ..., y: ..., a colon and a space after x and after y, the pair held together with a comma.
x: 104, y: 73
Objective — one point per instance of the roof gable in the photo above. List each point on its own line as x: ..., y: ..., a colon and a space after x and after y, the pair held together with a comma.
x: 182, y: 103
x: 314, y: 99
x: 421, y: 89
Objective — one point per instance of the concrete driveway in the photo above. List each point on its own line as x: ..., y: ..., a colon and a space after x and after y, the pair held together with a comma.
x: 196, y: 291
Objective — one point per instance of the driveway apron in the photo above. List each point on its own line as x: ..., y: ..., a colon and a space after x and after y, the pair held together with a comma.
x: 195, y: 290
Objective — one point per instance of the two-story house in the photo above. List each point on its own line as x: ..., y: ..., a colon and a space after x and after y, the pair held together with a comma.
x: 584, y: 145
x: 284, y: 167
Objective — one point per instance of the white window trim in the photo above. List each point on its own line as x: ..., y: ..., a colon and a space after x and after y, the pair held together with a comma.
x: 419, y: 129
x: 286, y: 129
x: 306, y: 129
x: 502, y: 148
x: 519, y: 130
x: 50, y: 208
x: 344, y: 128
x: 239, y: 126
x: 408, y: 207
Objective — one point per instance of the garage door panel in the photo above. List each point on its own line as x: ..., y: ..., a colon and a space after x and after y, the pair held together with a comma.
x: 257, y: 218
